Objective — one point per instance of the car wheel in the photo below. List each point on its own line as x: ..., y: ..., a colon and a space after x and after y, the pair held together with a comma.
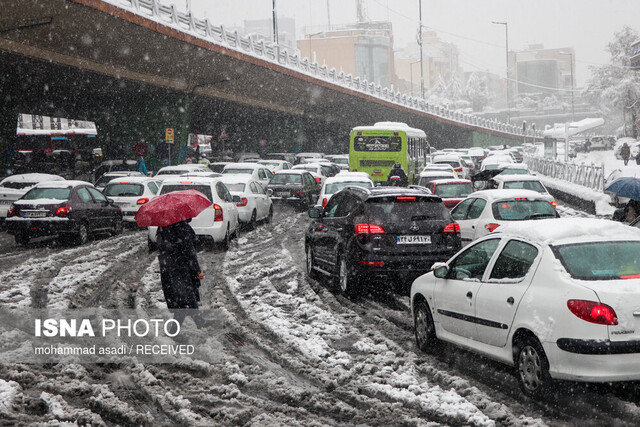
x: 82, y: 235
x: 311, y: 271
x: 253, y: 221
x: 118, y: 226
x: 22, y: 238
x: 425, y: 330
x: 532, y: 367
x: 227, y: 241
x: 151, y: 245
x: 346, y: 278
x: 270, y: 216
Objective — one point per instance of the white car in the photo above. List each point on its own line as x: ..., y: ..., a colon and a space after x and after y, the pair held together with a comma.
x: 494, y: 161
x: 429, y: 175
x: 344, y: 179
x: 254, y: 203
x: 256, y: 171
x: 440, y: 167
x: 108, y: 176
x: 276, y: 165
x: 318, y: 171
x: 555, y: 299
x: 15, y: 186
x: 177, y: 170
x: 484, y: 211
x: 129, y: 193
x: 218, y: 222
x: 520, y: 182
x: 454, y: 161
x: 341, y: 160
x: 300, y: 157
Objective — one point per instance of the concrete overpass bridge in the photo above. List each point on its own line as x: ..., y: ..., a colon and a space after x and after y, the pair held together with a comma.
x: 136, y: 67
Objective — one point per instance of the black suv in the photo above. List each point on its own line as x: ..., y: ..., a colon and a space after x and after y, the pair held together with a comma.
x: 379, y: 232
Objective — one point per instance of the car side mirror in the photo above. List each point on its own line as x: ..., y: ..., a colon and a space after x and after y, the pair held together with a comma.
x: 269, y: 192
x: 236, y: 199
x: 440, y: 270
x: 110, y: 201
x: 316, y: 212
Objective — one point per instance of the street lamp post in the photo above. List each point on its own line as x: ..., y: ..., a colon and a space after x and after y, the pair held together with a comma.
x: 275, y: 24
x: 573, y: 118
x: 420, y: 42
x: 506, y: 35
x: 411, y: 73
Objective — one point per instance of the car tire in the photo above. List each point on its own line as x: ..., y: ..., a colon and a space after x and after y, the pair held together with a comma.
x: 532, y: 367
x: 270, y: 216
x: 311, y: 271
x: 151, y: 245
x: 118, y: 226
x: 82, y: 234
x: 22, y: 239
x: 346, y: 278
x: 424, y: 328
x: 253, y: 222
x: 226, y: 243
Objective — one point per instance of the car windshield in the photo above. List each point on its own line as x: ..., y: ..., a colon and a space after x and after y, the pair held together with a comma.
x: 204, y: 189
x: 340, y: 161
x: 238, y: 186
x: 238, y: 171
x: 123, y: 190
x: 286, y: 178
x: 522, y: 209
x: 414, y: 208
x: 453, y: 190
x: 525, y: 185
x: 600, y: 260
x: 334, y: 187
x: 47, y: 193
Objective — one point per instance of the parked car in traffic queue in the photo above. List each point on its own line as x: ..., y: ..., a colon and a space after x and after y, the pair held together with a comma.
x: 451, y: 191
x: 217, y: 223
x: 344, y: 179
x: 554, y: 299
x: 108, y: 176
x: 15, y: 186
x: 254, y: 204
x: 520, y: 182
x: 72, y: 210
x: 256, y: 171
x: 364, y: 233
x: 129, y: 193
x: 295, y: 186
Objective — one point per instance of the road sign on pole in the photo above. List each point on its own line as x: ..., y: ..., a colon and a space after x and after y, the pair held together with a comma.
x: 168, y: 135
x: 223, y: 134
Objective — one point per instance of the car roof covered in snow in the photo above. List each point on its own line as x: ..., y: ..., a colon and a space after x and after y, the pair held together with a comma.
x: 131, y: 180
x: 353, y: 177
x: 62, y: 184
x: 570, y: 230
x: 32, y: 177
x: 236, y: 179
x: 450, y: 181
x: 292, y: 172
x: 185, y: 180
x: 504, y: 194
x: 515, y: 178
x: 437, y: 172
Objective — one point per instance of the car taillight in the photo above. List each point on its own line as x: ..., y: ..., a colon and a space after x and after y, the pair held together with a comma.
x: 142, y: 201
x: 324, y: 202
x: 491, y: 226
x: 458, y: 169
x: 454, y: 227
x: 63, y: 210
x: 369, y: 229
x: 593, y: 312
x: 406, y: 198
x: 554, y: 204
x: 243, y: 202
x: 217, y: 216
x: 451, y: 203
x: 11, y: 211
x: 318, y: 179
x: 372, y: 262
x: 300, y: 193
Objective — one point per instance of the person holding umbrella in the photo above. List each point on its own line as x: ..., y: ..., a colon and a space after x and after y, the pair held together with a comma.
x: 180, y: 272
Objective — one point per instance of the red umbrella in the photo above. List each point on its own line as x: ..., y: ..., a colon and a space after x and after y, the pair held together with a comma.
x: 171, y: 208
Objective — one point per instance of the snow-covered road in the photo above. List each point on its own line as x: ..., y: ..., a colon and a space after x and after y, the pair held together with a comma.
x: 294, y: 351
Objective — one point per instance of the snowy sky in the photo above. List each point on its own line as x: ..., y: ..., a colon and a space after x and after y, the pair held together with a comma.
x: 587, y: 25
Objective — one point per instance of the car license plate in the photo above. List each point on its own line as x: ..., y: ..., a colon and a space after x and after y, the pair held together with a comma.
x: 122, y: 204
x: 282, y: 194
x: 35, y: 214
x: 5, y: 202
x: 413, y: 240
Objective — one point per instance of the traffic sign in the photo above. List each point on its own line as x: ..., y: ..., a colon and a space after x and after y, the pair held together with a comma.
x: 168, y: 135
x: 223, y: 134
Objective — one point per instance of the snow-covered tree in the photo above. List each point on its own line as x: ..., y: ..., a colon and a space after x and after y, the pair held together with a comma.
x: 476, y: 91
x: 615, y: 87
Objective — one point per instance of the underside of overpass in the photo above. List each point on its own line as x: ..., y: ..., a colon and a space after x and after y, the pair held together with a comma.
x: 86, y: 59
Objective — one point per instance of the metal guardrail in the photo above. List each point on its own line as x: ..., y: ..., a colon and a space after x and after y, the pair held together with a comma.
x: 281, y: 55
x: 590, y: 176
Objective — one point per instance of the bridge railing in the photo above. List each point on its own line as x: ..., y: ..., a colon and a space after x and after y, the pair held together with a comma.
x: 169, y: 15
x: 590, y: 176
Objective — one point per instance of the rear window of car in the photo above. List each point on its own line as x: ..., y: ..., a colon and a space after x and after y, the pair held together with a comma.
x: 235, y: 187
x: 454, y: 163
x: 286, y: 178
x: 522, y: 209
x: 424, y: 180
x: 123, y: 190
x: 217, y: 168
x: 525, y: 185
x: 47, y: 193
x: 17, y: 185
x: 600, y: 260
x: 414, y: 208
x: 238, y: 171
x: 453, y: 190
x: 204, y: 189
x: 337, y: 186
x: 340, y: 161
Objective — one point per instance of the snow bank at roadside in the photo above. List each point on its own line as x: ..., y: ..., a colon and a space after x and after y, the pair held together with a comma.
x: 600, y: 199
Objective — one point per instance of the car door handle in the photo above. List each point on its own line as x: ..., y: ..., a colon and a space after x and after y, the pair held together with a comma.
x: 469, y: 294
x: 473, y: 227
x: 510, y: 300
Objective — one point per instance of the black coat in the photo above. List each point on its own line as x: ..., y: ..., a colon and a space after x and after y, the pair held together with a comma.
x: 404, y: 179
x: 179, y: 266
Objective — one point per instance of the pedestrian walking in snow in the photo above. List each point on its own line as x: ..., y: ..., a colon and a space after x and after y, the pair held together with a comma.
x: 625, y: 153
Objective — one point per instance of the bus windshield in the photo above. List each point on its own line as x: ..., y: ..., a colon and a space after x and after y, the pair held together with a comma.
x: 377, y: 143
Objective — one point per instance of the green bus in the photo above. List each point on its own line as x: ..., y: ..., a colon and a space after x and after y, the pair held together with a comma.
x: 374, y: 149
